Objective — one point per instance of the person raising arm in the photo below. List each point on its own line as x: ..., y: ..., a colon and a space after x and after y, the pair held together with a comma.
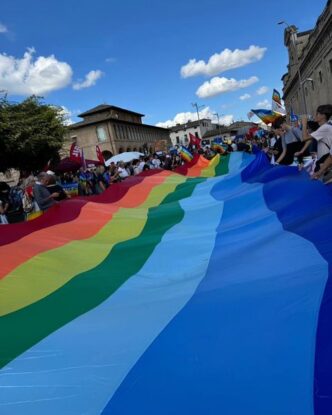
x: 323, y: 135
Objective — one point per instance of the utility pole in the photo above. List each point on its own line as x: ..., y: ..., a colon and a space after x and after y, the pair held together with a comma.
x: 219, y: 128
x: 198, y: 107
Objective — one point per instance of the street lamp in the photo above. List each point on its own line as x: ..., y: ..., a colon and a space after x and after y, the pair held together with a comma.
x: 293, y: 32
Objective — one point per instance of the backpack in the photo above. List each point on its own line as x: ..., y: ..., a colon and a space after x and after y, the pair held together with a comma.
x: 15, y: 199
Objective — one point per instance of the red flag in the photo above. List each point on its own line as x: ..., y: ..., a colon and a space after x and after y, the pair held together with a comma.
x: 195, y: 140
x: 100, y: 156
x: 83, y: 160
x: 75, y: 153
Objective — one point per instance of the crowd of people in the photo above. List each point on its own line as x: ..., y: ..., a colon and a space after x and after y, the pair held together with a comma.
x: 37, y: 192
x: 309, y: 147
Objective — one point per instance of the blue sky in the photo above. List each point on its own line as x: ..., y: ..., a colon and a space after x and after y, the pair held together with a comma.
x: 130, y: 53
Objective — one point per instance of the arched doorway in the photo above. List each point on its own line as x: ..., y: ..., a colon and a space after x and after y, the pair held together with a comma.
x: 120, y: 150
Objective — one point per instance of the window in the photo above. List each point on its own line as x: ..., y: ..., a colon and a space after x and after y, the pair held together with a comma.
x: 306, y: 91
x: 118, y: 129
x: 177, y: 140
x: 320, y: 77
x: 101, y: 134
x: 330, y: 66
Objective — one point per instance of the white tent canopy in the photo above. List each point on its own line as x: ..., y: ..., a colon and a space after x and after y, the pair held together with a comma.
x: 125, y: 157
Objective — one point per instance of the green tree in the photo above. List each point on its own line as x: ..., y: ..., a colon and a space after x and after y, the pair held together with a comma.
x: 31, y: 133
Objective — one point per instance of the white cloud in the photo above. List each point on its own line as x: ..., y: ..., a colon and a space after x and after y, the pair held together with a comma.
x: 223, y: 61
x: 183, y: 117
x: 225, y: 119
x: 264, y: 105
x: 245, y: 97
x: 262, y: 90
x: 26, y: 76
x: 222, y: 85
x: 68, y: 114
x: 110, y: 60
x: 90, y: 80
x: 3, y: 28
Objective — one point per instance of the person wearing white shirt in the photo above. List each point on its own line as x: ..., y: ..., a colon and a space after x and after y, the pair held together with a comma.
x: 141, y: 166
x: 156, y: 162
x: 122, y: 171
x: 323, y: 135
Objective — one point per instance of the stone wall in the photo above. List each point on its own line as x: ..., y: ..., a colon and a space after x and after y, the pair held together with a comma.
x: 315, y: 59
x: 116, y: 137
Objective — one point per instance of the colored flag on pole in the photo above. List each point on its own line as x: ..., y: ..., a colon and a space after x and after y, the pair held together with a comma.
x: 278, y: 108
x: 267, y: 116
x: 196, y: 141
x: 185, y: 154
x: 100, y: 156
x: 276, y: 96
x: 75, y: 153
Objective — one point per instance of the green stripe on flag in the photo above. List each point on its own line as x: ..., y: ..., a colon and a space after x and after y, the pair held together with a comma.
x: 223, y: 165
x: 22, y: 329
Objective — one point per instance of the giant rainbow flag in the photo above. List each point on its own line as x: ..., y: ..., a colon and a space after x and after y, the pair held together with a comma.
x: 202, y: 291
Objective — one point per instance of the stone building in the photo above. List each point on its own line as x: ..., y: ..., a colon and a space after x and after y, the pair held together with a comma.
x: 115, y: 130
x: 310, y: 53
x: 179, y: 134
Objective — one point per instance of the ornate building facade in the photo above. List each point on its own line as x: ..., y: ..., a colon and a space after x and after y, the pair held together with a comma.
x: 115, y: 130
x: 310, y: 60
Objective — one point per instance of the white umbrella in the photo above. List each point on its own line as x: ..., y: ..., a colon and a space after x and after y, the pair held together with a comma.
x: 125, y: 157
